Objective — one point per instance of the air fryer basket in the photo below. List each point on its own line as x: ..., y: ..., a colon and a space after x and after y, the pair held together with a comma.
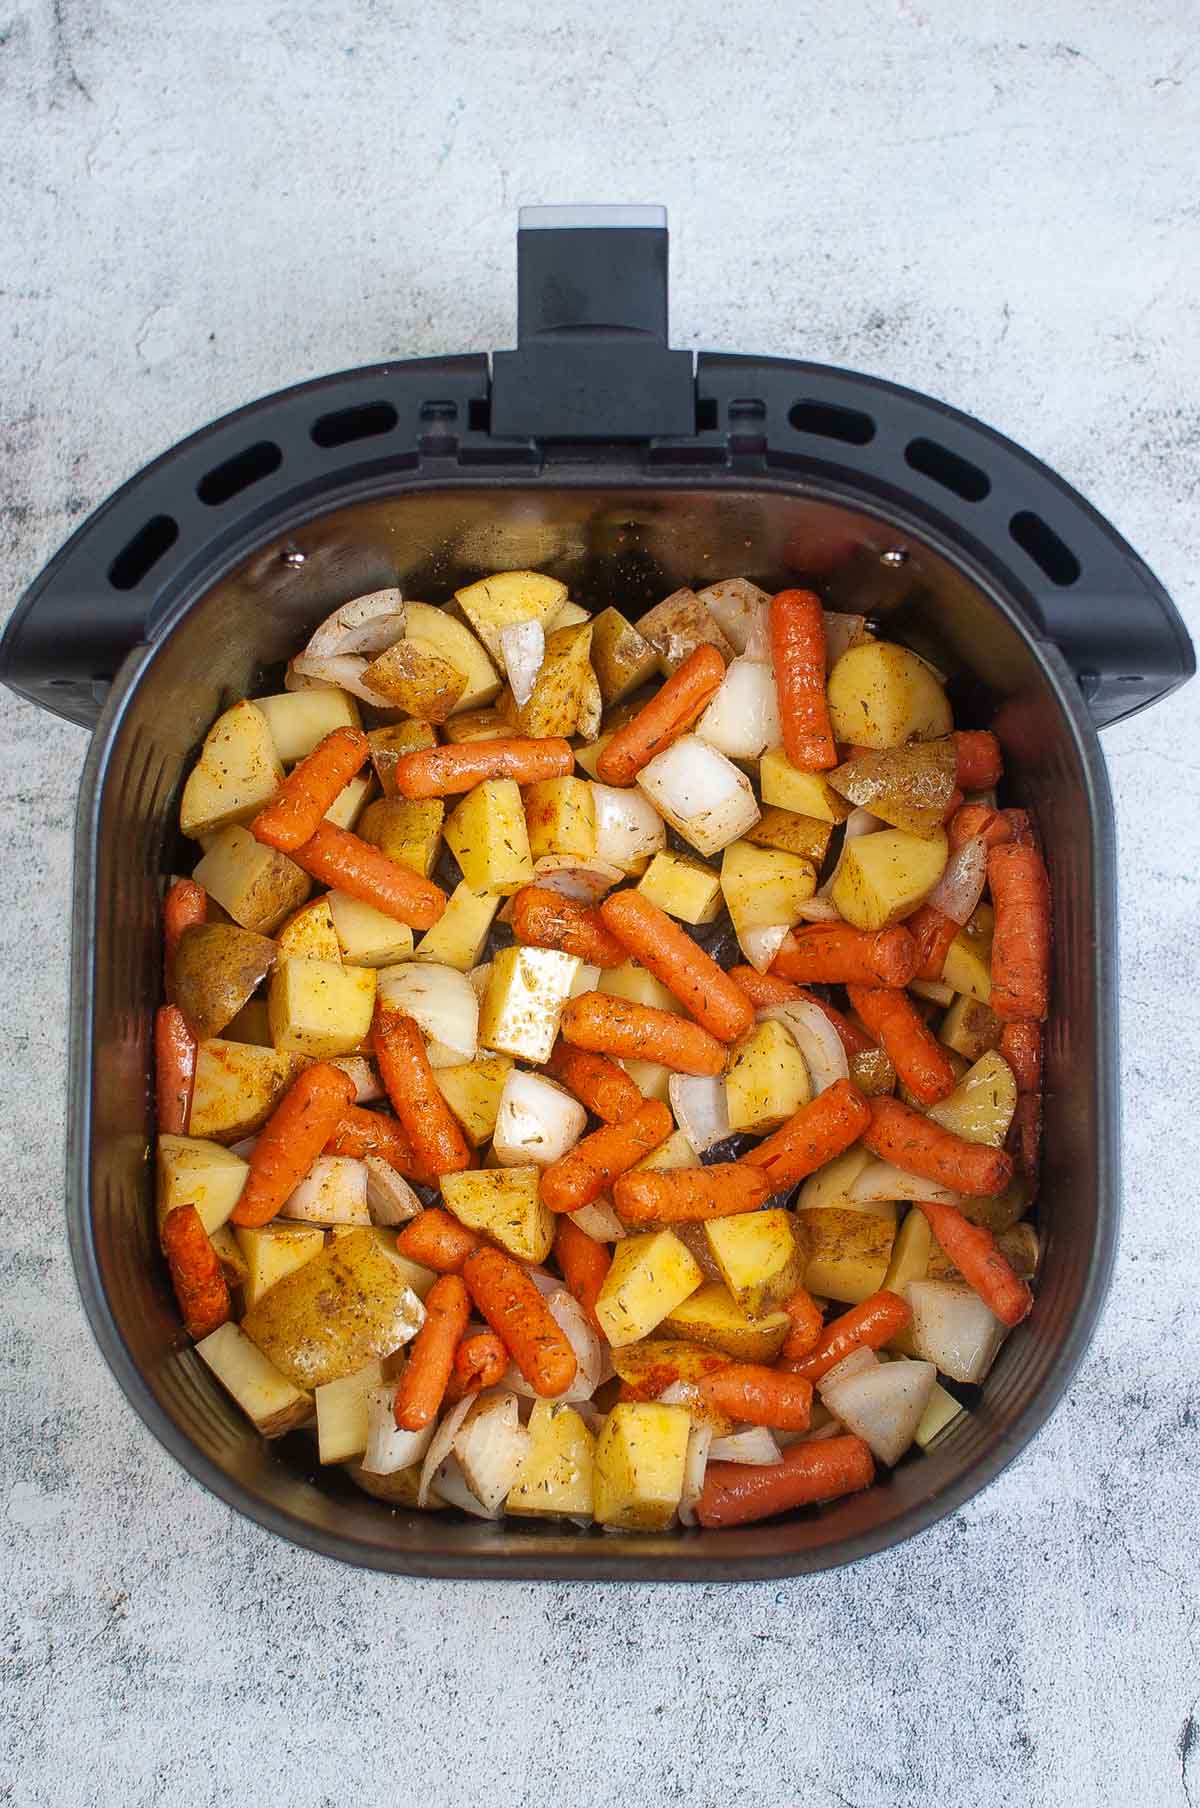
x: 596, y: 454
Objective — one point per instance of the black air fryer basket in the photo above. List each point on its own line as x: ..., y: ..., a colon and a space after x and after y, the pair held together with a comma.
x: 595, y: 453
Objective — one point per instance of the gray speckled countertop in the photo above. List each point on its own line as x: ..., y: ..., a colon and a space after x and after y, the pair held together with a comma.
x: 993, y: 203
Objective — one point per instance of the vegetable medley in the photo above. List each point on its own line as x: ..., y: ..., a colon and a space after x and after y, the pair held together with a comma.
x: 705, y: 1192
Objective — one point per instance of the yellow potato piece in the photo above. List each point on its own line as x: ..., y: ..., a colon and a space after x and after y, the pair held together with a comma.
x: 414, y: 676
x: 237, y: 774
x: 638, y: 1477
x: 711, y: 1316
x: 802, y: 793
x: 622, y: 657
x: 881, y: 878
x: 237, y: 1087
x: 560, y: 690
x: 761, y: 1261
x: 982, y: 1105
x: 766, y: 1081
x: 364, y: 936
x: 407, y: 830
x: 310, y: 934
x: 271, y: 1251
x: 194, y: 1171
x: 459, y: 648
x: 683, y: 887
x: 523, y: 1002
x: 650, y: 1275
x: 881, y: 695
x: 556, y: 1475
x: 968, y: 965
x: 487, y: 836
x: 320, y: 1008
x: 560, y: 817
x: 764, y: 887
x: 507, y: 598
x: 458, y: 937
x: 257, y: 885
x: 269, y: 1399
x: 472, y: 1090
x: 503, y: 1204
x: 848, y: 1252
x: 792, y: 833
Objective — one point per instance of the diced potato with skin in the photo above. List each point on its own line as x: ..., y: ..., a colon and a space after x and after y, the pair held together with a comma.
x: 767, y: 1080
x: 711, y: 1316
x: 330, y: 1317
x: 503, y: 1204
x: 910, y: 1252
x: 569, y: 616
x: 397, y: 1489
x: 342, y: 1415
x: 700, y: 793
x: 881, y: 695
x: 459, y: 647
x: 651, y: 1078
x: 320, y: 1008
x: 622, y: 657
x: 848, y: 1252
x: 524, y: 1000
x: 364, y: 936
x: 560, y: 817
x: 677, y: 626
x: 968, y: 965
x: 506, y: 598
x: 199, y: 1173
x: 763, y: 887
x: 555, y: 1478
x: 300, y: 720
x: 334, y: 1191
x: 683, y: 887
x: 760, y: 1257
x: 487, y: 836
x: 237, y: 774
x: 560, y: 690
x: 909, y: 787
x: 407, y: 830
x: 655, y: 1364
x: 650, y: 1275
x: 802, y: 793
x: 969, y: 1027
x: 272, y: 1251
x: 310, y: 934
x: 413, y: 675
x: 458, y: 937
x: 257, y: 885
x: 229, y: 1255
x: 792, y: 834
x: 476, y: 725
x: 237, y: 1087
x: 635, y: 983
x: 389, y: 745
x: 252, y: 1024
x: 351, y: 801
x: 272, y: 1402
x: 881, y: 878
x: 981, y: 1107
x: 640, y: 1455
x: 472, y: 1090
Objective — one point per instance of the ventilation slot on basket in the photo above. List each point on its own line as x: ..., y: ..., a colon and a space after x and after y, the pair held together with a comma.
x: 1039, y: 540
x: 228, y: 480
x: 137, y: 559
x: 439, y: 411
x: 366, y: 421
x: 948, y: 469
x: 827, y: 421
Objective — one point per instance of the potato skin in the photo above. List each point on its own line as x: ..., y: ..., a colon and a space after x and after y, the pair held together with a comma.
x: 330, y: 1317
x: 218, y: 967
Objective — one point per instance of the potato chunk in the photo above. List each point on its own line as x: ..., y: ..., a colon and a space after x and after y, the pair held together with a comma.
x: 968, y: 965
x: 272, y: 1251
x: 524, y: 1000
x: 683, y: 887
x: 848, y: 1252
x: 677, y: 626
x: 503, y: 1204
x: 364, y: 936
x: 560, y: 690
x: 237, y: 774
x: 193, y: 1171
x: 472, y: 1090
x: 413, y: 675
x: 650, y: 1275
x: 300, y: 720
x: 458, y: 937
x: 981, y: 1106
x: 638, y: 1477
x: 760, y: 1258
x: 320, y: 1008
x: 268, y: 1398
x: 487, y: 836
x: 711, y: 1316
x: 792, y: 834
x: 310, y: 934
x: 389, y: 745
x: 767, y: 1080
x: 459, y: 648
x: 556, y: 1475
x: 560, y: 817
x: 257, y: 885
x: 763, y: 887
x: 881, y: 695
x: 803, y: 793
x: 217, y: 969
x: 407, y: 830
x: 506, y: 598
x: 622, y: 657
x: 236, y: 1089
x: 881, y: 878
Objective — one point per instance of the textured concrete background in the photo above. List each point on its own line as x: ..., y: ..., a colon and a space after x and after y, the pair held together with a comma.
x: 996, y: 203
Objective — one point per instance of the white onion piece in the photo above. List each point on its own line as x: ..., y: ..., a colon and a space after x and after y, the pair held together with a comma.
x: 584, y: 880
x: 245, y: 1148
x: 818, y: 910
x: 700, y: 1108
x: 740, y: 609
x: 545, y: 1283
x: 522, y: 648
x: 815, y: 1037
x: 390, y: 1199
x: 451, y: 1484
x: 490, y: 1448
x: 536, y: 1121
x: 758, y: 638
x: 953, y: 1329
x: 440, y: 1446
x: 882, y: 1404
x: 628, y: 828
x: 334, y: 1191
x: 751, y: 1444
x: 841, y: 632
x: 367, y: 1087
x: 700, y: 793
x: 343, y: 672
x: 861, y: 822
x: 389, y: 1448
x: 366, y: 624
x: 695, y: 1463
x: 761, y: 945
x: 743, y: 717
x: 599, y: 1221
x: 834, y: 1429
x: 879, y: 1181
x: 853, y: 1364
x: 442, y: 1003
x: 961, y: 885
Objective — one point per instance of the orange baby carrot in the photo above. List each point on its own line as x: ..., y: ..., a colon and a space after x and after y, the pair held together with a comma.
x: 616, y: 1026
x: 798, y: 651
x: 768, y: 988
x: 867, y: 1326
x: 480, y: 1361
x: 833, y: 953
x: 979, y: 762
x: 518, y: 1314
x: 1021, y: 943
x: 426, y: 1373
x: 761, y: 1396
x: 1025, y: 1134
x: 294, y: 813
x: 583, y: 1264
x: 915, y: 1143
x: 545, y: 919
x: 918, y: 1057
x: 589, y: 1169
x: 359, y: 1132
x: 974, y: 1252
x: 807, y: 1327
x: 812, y: 1136
x: 933, y: 931
x: 437, y: 1241
x: 185, y: 906
x: 667, y: 951
x: 669, y: 713
x: 349, y: 864
x: 292, y: 1138
x: 174, y: 1069
x: 597, y: 1082
x: 689, y: 1195
x: 978, y: 821
x: 444, y: 771
x: 1021, y: 1046
x: 741, y: 1493
x: 429, y: 1124
x: 196, y: 1272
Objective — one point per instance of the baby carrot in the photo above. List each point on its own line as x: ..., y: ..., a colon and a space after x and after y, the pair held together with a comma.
x: 761, y: 1396
x: 979, y: 762
x: 429, y: 1124
x: 974, y: 1252
x: 295, y: 812
x: 1021, y: 943
x: 902, y: 1136
x: 174, y: 1069
x: 480, y: 1361
x: 1025, y: 1134
x: 978, y: 820
x: 185, y: 906
x: 427, y: 1372
x: 833, y: 953
x: 597, y: 1082
x: 617, y: 1026
x: 768, y: 988
x: 918, y: 1057
x: 349, y: 864
x: 933, y: 931
x: 292, y: 1138
x: 589, y: 1169
x: 667, y: 951
x: 867, y: 1326
x: 689, y: 1195
x: 807, y: 1327
x: 812, y: 1136
x: 196, y: 1272
x: 443, y: 771
x: 546, y: 919
x: 740, y: 1493
x: 359, y: 1132
x: 669, y: 713
x: 583, y: 1264
x: 518, y: 1314
x: 1021, y: 1046
x: 437, y: 1241
x: 798, y: 652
